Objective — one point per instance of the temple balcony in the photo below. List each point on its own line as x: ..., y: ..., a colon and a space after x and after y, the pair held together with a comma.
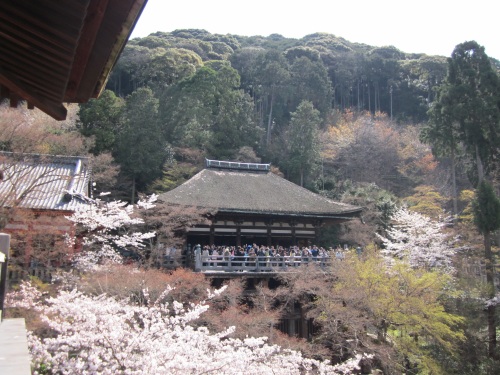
x: 260, y: 265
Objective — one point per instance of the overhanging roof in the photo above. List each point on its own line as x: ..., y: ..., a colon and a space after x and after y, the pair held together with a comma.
x: 252, y: 192
x: 55, y: 52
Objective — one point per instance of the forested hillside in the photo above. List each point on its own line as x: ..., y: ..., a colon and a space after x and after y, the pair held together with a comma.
x: 242, y: 98
x: 325, y: 69
x: 230, y: 97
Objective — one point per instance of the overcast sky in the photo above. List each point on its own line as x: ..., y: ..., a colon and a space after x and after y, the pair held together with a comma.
x: 433, y: 27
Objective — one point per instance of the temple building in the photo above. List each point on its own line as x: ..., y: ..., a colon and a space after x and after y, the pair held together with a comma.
x: 254, y: 205
x: 37, y: 194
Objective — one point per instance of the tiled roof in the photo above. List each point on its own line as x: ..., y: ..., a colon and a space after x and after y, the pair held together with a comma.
x: 233, y: 190
x: 43, y: 182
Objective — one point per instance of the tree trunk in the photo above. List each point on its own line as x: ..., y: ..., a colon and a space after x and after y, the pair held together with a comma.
x: 490, y: 281
x: 369, y: 99
x: 261, y: 113
x: 480, y: 168
x: 133, y: 191
x: 492, y: 332
x: 454, y: 183
x: 357, y: 104
x: 270, y: 121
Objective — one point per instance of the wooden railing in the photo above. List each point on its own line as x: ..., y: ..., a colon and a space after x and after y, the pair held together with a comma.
x: 255, y: 264
x: 45, y: 274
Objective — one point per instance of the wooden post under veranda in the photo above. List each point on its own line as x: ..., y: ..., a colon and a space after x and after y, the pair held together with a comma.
x: 4, y: 256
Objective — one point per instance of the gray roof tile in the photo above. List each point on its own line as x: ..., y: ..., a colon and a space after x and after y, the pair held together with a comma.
x: 253, y: 192
x: 43, y: 182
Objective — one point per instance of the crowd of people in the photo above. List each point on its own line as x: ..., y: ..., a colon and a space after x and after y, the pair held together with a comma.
x: 265, y: 255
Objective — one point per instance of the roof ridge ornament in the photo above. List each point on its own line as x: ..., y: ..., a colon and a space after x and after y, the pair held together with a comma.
x: 237, y: 165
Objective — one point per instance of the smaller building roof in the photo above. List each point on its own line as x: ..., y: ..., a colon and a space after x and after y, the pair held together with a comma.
x: 43, y: 182
x: 237, y: 189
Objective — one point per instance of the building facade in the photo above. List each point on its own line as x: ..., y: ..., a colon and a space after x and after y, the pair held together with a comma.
x: 254, y: 205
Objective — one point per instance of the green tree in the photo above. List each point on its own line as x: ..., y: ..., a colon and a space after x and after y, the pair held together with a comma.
x: 402, y: 306
x: 297, y: 52
x: 310, y: 81
x: 210, y: 112
x: 102, y: 119
x: 426, y: 201
x: 487, y: 219
x: 472, y: 92
x: 470, y: 96
x: 380, y: 68
x: 302, y: 140
x: 425, y: 74
x: 271, y: 81
x: 234, y: 126
x: 141, y: 147
x: 486, y: 208
x: 168, y: 67
x: 442, y: 133
x: 124, y: 78
x: 184, y: 112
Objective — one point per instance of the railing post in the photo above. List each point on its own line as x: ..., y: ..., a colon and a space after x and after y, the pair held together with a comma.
x: 4, y: 259
x: 197, y: 261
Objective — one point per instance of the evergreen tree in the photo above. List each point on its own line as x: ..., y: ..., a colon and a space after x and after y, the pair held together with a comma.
x: 302, y: 140
x: 140, y: 145
x: 210, y: 112
x: 102, y: 119
x: 310, y: 81
x: 442, y: 133
x: 271, y: 80
x: 470, y: 97
x: 487, y: 219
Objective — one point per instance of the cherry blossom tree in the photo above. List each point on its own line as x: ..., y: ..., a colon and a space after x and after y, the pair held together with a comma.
x: 105, y: 229
x: 418, y: 239
x: 103, y: 335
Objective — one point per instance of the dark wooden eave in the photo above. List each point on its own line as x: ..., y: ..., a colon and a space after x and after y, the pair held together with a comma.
x: 55, y: 52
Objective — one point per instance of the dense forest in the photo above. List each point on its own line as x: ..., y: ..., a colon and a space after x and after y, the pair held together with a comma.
x: 305, y: 105
x: 370, y: 126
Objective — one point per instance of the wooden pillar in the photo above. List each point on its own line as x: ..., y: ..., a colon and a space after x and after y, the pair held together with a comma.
x: 238, y: 236
x: 317, y: 225
x: 28, y: 248
x: 303, y: 324
x: 239, y: 223
x: 293, y: 224
x: 212, y: 235
x: 269, y: 225
x: 4, y: 249
x: 291, y: 327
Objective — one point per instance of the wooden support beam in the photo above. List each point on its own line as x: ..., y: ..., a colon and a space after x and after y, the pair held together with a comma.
x: 54, y: 109
x: 93, y: 21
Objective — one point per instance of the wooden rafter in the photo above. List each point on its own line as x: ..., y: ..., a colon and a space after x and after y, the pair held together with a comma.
x: 53, y: 52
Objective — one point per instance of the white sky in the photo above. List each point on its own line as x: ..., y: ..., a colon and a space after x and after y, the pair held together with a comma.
x: 433, y: 27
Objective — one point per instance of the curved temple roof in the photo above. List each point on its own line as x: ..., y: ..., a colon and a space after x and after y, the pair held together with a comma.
x: 240, y: 191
